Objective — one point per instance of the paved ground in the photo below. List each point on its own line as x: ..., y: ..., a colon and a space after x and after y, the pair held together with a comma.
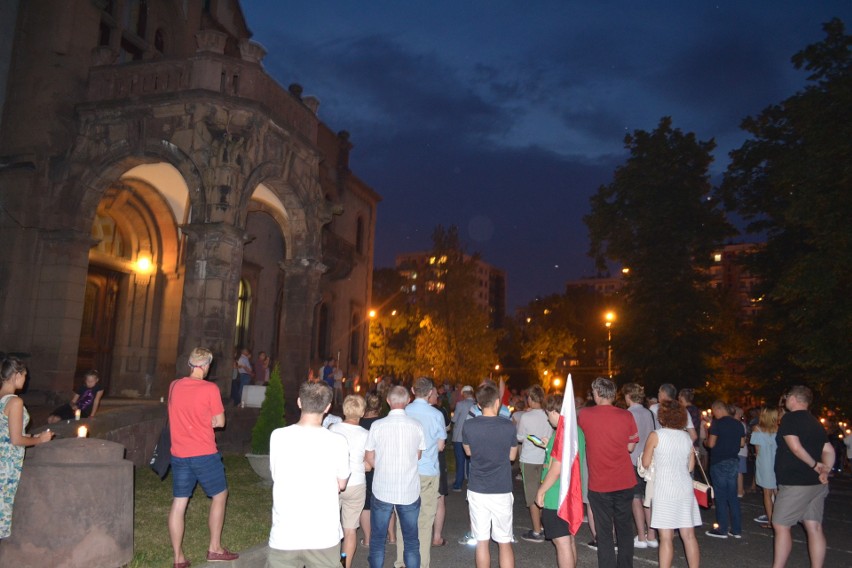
x: 753, y: 550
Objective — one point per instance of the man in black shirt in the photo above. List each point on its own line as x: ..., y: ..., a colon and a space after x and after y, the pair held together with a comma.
x: 802, y: 463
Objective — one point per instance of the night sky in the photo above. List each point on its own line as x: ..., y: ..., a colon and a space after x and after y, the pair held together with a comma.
x: 503, y: 118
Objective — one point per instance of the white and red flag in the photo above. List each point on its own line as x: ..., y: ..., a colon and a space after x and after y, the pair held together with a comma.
x: 566, y: 450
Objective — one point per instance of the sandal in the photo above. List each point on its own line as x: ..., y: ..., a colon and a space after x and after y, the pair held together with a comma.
x: 184, y: 564
x: 443, y: 542
x: 364, y: 544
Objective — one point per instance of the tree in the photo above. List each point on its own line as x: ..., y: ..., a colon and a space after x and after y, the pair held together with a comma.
x: 454, y: 341
x: 394, y: 325
x: 657, y: 219
x: 793, y: 182
x: 547, y: 339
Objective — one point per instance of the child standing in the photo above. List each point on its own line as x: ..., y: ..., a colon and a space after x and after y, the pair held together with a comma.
x: 13, y: 421
x: 87, y: 399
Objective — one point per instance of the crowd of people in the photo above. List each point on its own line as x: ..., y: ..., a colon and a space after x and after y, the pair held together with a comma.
x: 639, y: 457
x: 380, y: 467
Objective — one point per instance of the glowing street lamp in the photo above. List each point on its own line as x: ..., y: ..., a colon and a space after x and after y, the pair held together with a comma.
x: 609, y: 318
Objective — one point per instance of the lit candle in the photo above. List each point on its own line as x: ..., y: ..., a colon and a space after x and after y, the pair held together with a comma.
x: 82, y: 432
x: 77, y: 414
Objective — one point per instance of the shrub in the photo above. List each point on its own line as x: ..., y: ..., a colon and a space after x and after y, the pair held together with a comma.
x: 271, y: 413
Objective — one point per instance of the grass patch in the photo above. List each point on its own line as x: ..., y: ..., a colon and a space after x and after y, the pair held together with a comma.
x: 248, y: 516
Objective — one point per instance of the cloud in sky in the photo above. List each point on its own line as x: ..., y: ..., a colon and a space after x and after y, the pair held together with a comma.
x: 504, y: 117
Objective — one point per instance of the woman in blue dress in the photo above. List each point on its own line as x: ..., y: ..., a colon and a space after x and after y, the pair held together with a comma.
x: 763, y: 440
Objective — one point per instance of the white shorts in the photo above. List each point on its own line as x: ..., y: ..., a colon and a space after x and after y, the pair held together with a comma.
x: 491, y: 515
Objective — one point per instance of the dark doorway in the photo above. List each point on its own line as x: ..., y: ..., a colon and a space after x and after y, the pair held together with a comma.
x: 97, y: 332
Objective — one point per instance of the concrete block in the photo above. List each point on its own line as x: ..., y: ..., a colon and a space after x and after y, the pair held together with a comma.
x: 74, y: 507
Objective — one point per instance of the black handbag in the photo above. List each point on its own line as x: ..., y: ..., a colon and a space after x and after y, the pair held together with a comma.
x: 161, y: 458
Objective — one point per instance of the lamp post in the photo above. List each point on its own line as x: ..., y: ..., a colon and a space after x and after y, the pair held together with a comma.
x: 609, y: 318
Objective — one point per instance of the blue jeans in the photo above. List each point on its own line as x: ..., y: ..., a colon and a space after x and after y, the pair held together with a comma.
x: 237, y: 387
x: 723, y: 476
x: 380, y: 514
x: 462, y: 464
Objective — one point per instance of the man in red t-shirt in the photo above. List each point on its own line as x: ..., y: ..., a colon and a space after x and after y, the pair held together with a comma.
x: 611, y: 434
x: 195, y: 409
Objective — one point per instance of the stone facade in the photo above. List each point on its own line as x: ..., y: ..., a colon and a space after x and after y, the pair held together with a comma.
x: 160, y: 191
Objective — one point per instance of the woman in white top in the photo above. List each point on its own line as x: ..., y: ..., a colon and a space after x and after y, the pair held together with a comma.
x: 674, y: 505
x: 352, y: 498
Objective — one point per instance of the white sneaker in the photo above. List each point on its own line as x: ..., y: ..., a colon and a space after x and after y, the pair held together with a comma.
x: 653, y: 543
x: 639, y: 543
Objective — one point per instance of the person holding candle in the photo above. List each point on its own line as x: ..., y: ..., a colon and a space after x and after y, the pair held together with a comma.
x: 84, y: 404
x: 13, y: 421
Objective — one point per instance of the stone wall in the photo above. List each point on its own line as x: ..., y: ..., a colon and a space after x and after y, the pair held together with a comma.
x: 137, y: 428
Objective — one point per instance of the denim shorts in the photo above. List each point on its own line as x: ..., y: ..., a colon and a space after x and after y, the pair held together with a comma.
x: 208, y: 470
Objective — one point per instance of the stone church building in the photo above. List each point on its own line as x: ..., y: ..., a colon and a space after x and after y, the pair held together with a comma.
x: 160, y: 191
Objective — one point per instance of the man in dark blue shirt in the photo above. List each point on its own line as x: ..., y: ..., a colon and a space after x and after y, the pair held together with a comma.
x: 490, y: 442
x: 726, y: 437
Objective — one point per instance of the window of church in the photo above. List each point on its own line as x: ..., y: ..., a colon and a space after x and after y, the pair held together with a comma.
x: 243, y: 307
x: 359, y: 235
x: 160, y: 40
x: 355, y: 338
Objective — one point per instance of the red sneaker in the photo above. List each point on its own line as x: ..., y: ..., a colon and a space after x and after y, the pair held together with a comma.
x: 224, y: 556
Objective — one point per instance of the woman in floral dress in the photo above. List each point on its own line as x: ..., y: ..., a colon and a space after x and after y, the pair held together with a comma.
x: 13, y: 421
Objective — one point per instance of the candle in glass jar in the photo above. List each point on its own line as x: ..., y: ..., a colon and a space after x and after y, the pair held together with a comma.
x: 82, y: 432
x: 77, y: 414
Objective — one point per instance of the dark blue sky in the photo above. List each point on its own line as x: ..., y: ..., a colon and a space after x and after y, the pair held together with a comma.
x: 504, y: 117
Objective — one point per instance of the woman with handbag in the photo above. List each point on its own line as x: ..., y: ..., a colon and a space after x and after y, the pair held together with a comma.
x: 674, y: 505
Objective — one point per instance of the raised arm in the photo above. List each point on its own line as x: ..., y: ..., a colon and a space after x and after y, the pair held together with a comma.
x: 15, y: 412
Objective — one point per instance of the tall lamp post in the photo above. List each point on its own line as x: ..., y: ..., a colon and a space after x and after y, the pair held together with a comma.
x: 609, y: 318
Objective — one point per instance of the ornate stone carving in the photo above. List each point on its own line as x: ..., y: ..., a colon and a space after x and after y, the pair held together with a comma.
x: 211, y: 40
x: 252, y: 51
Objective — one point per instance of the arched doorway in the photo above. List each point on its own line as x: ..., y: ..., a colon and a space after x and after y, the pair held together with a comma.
x: 107, y: 270
x: 133, y: 287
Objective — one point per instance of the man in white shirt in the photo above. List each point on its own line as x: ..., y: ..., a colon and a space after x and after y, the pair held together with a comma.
x: 310, y: 467
x: 394, y: 446
x: 435, y: 434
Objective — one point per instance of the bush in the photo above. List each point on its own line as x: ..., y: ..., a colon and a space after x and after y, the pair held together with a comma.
x: 271, y: 413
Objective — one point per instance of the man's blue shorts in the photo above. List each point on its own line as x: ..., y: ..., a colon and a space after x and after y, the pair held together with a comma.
x: 209, y: 471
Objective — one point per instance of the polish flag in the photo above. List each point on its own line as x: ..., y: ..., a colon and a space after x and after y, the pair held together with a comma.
x: 566, y: 450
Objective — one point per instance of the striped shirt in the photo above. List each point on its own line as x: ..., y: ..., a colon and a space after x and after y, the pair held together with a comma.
x: 396, y: 440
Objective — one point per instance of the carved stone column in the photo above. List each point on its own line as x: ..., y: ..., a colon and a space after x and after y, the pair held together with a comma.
x: 301, y: 295
x: 208, y: 313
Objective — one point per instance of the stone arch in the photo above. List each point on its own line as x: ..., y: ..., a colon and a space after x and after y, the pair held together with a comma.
x: 113, y: 180
x: 85, y: 191
x: 300, y: 214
